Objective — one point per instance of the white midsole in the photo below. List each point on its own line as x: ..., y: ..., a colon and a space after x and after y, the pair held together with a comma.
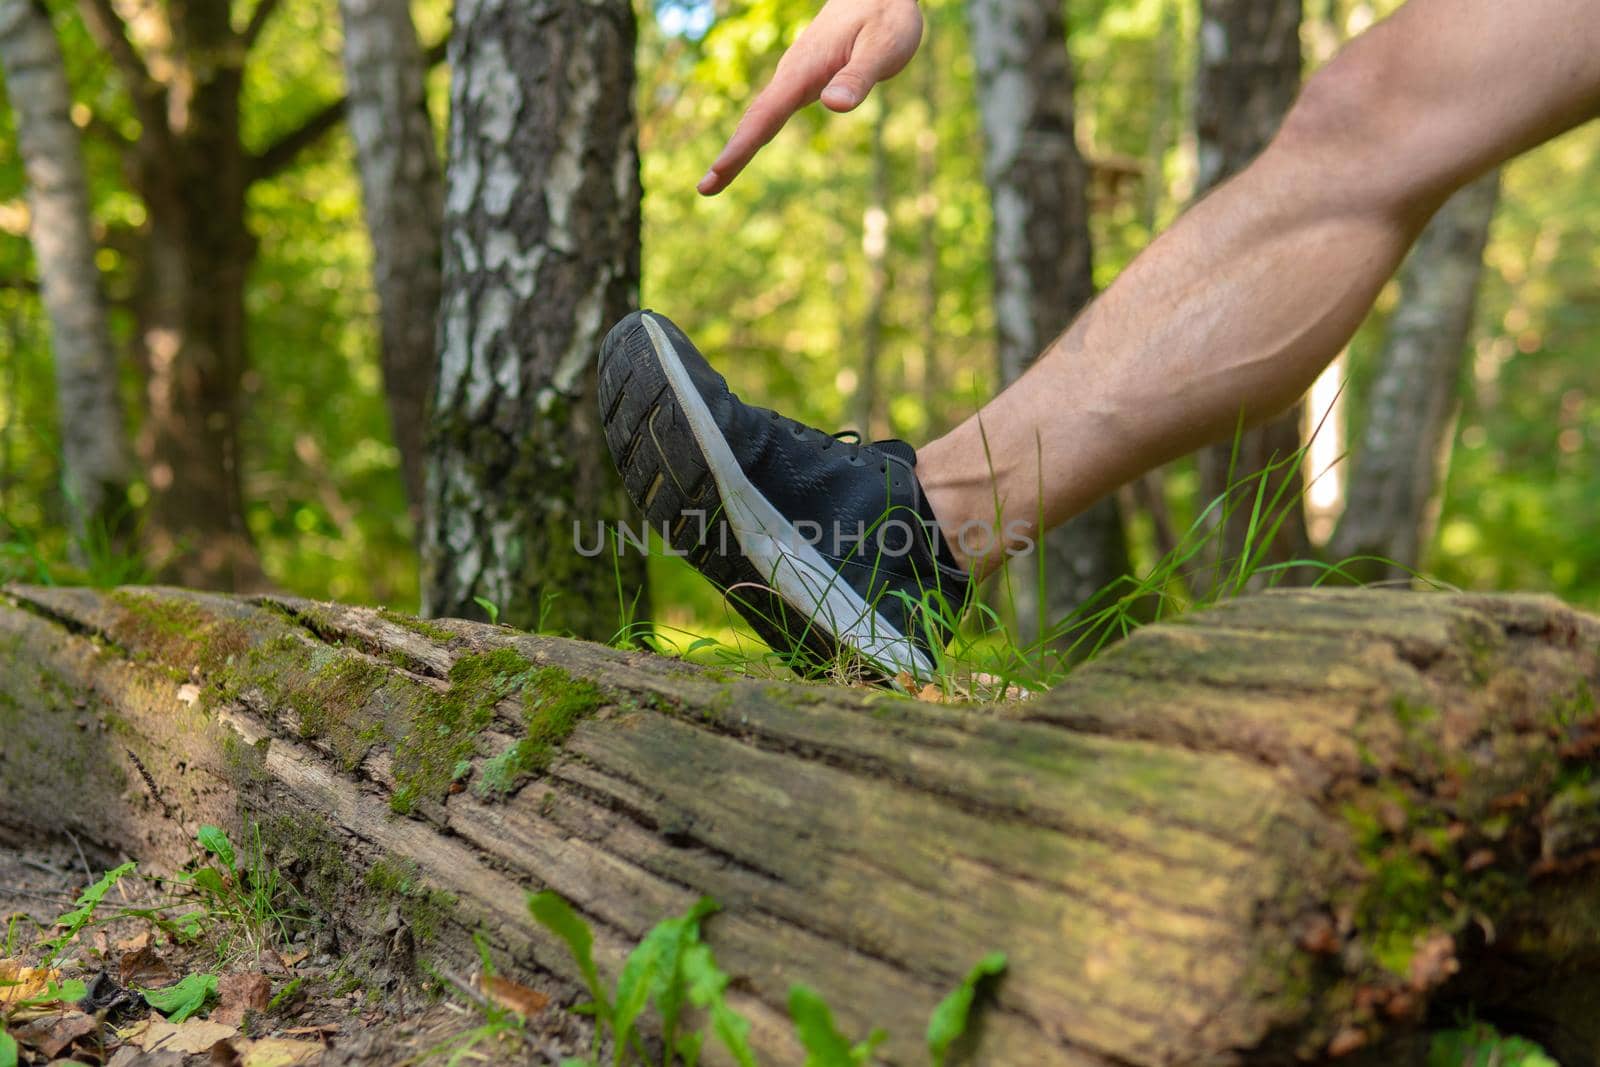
x: 794, y: 567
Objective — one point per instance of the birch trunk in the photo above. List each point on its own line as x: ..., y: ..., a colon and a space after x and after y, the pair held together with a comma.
x: 541, y: 257
x: 95, y: 455
x: 1248, y: 75
x: 1403, y: 452
x: 403, y: 198
x: 1043, y: 260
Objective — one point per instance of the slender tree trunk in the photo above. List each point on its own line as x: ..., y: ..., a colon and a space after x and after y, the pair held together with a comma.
x: 1404, y: 447
x: 95, y: 457
x: 875, y: 244
x: 928, y: 235
x: 542, y: 255
x: 403, y: 196
x: 1043, y: 262
x: 1248, y: 75
x: 193, y: 174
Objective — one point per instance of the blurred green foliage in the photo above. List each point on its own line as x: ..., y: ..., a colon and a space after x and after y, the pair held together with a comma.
x: 771, y: 277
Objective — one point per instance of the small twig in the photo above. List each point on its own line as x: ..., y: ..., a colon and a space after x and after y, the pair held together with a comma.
x: 87, y: 873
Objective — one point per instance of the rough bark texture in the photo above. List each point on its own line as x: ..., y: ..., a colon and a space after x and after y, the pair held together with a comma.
x: 183, y: 76
x: 1404, y: 447
x: 191, y: 169
x: 402, y: 195
x: 541, y: 257
x: 1293, y: 822
x: 1247, y: 76
x: 94, y: 443
x: 1043, y: 261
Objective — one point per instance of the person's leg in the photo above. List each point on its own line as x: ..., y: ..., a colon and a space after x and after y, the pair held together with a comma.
x: 1239, y: 306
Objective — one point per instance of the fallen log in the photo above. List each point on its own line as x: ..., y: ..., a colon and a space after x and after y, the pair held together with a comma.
x: 1294, y: 826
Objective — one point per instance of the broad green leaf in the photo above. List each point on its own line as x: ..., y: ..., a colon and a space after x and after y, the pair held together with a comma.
x: 214, y: 841
x: 813, y: 1023
x: 556, y: 915
x: 208, y: 879
x: 670, y: 988
x: 949, y: 1019
x: 178, y: 1002
x: 707, y: 984
x: 8, y: 1049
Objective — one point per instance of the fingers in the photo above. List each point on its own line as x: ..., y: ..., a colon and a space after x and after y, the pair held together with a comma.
x: 793, y: 87
x: 839, y: 58
x: 852, y: 84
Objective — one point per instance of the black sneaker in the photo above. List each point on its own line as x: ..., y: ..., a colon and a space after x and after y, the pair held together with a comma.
x: 820, y: 542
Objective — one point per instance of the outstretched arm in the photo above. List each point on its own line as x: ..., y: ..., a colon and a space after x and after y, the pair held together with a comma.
x: 849, y: 47
x: 1239, y: 305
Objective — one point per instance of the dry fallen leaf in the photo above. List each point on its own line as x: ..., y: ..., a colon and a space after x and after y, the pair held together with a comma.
x: 514, y: 995
x: 19, y: 983
x: 191, y: 1035
x: 237, y: 993
x: 52, y: 1033
x: 293, y: 959
x: 931, y: 693
x: 277, y: 1052
x: 134, y: 943
x: 142, y: 967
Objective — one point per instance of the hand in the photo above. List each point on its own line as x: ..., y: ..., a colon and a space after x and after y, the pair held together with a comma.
x: 849, y: 47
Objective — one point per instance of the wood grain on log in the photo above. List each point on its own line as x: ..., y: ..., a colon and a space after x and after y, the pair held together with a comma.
x: 1293, y: 822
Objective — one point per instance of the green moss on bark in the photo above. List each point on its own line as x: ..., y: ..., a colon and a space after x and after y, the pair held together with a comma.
x: 554, y: 702
x: 176, y: 633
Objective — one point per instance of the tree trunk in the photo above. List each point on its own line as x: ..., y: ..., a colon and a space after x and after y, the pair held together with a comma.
x: 1248, y: 75
x: 868, y: 401
x: 541, y: 257
x: 190, y: 168
x: 1043, y: 262
x: 1292, y: 823
x: 403, y: 197
x: 1404, y: 447
x: 94, y: 444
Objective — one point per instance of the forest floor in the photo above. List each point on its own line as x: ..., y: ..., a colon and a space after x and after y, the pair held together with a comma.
x: 290, y: 1003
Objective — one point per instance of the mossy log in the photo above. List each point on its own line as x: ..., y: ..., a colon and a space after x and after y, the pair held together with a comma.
x: 1293, y: 827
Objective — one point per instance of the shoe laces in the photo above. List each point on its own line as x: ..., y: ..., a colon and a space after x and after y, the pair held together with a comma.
x: 851, y: 439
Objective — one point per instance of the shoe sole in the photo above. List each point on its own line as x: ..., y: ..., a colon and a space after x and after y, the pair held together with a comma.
x: 776, y: 580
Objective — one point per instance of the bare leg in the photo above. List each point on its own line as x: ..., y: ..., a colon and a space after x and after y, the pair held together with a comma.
x: 1236, y: 308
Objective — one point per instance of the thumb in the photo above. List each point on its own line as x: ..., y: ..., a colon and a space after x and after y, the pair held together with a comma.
x: 850, y: 86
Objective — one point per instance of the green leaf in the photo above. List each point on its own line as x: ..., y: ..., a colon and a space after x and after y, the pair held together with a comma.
x: 178, y: 1002
x: 949, y: 1019
x: 653, y: 971
x: 208, y: 879
x: 688, y: 1049
x: 707, y: 985
x: 490, y: 608
x: 813, y: 1023
x: 862, y: 1053
x: 214, y: 841
x: 556, y: 915
x: 90, y: 898
x: 8, y: 1049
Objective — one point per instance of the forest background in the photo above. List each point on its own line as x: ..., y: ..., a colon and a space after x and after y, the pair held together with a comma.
x: 846, y: 279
